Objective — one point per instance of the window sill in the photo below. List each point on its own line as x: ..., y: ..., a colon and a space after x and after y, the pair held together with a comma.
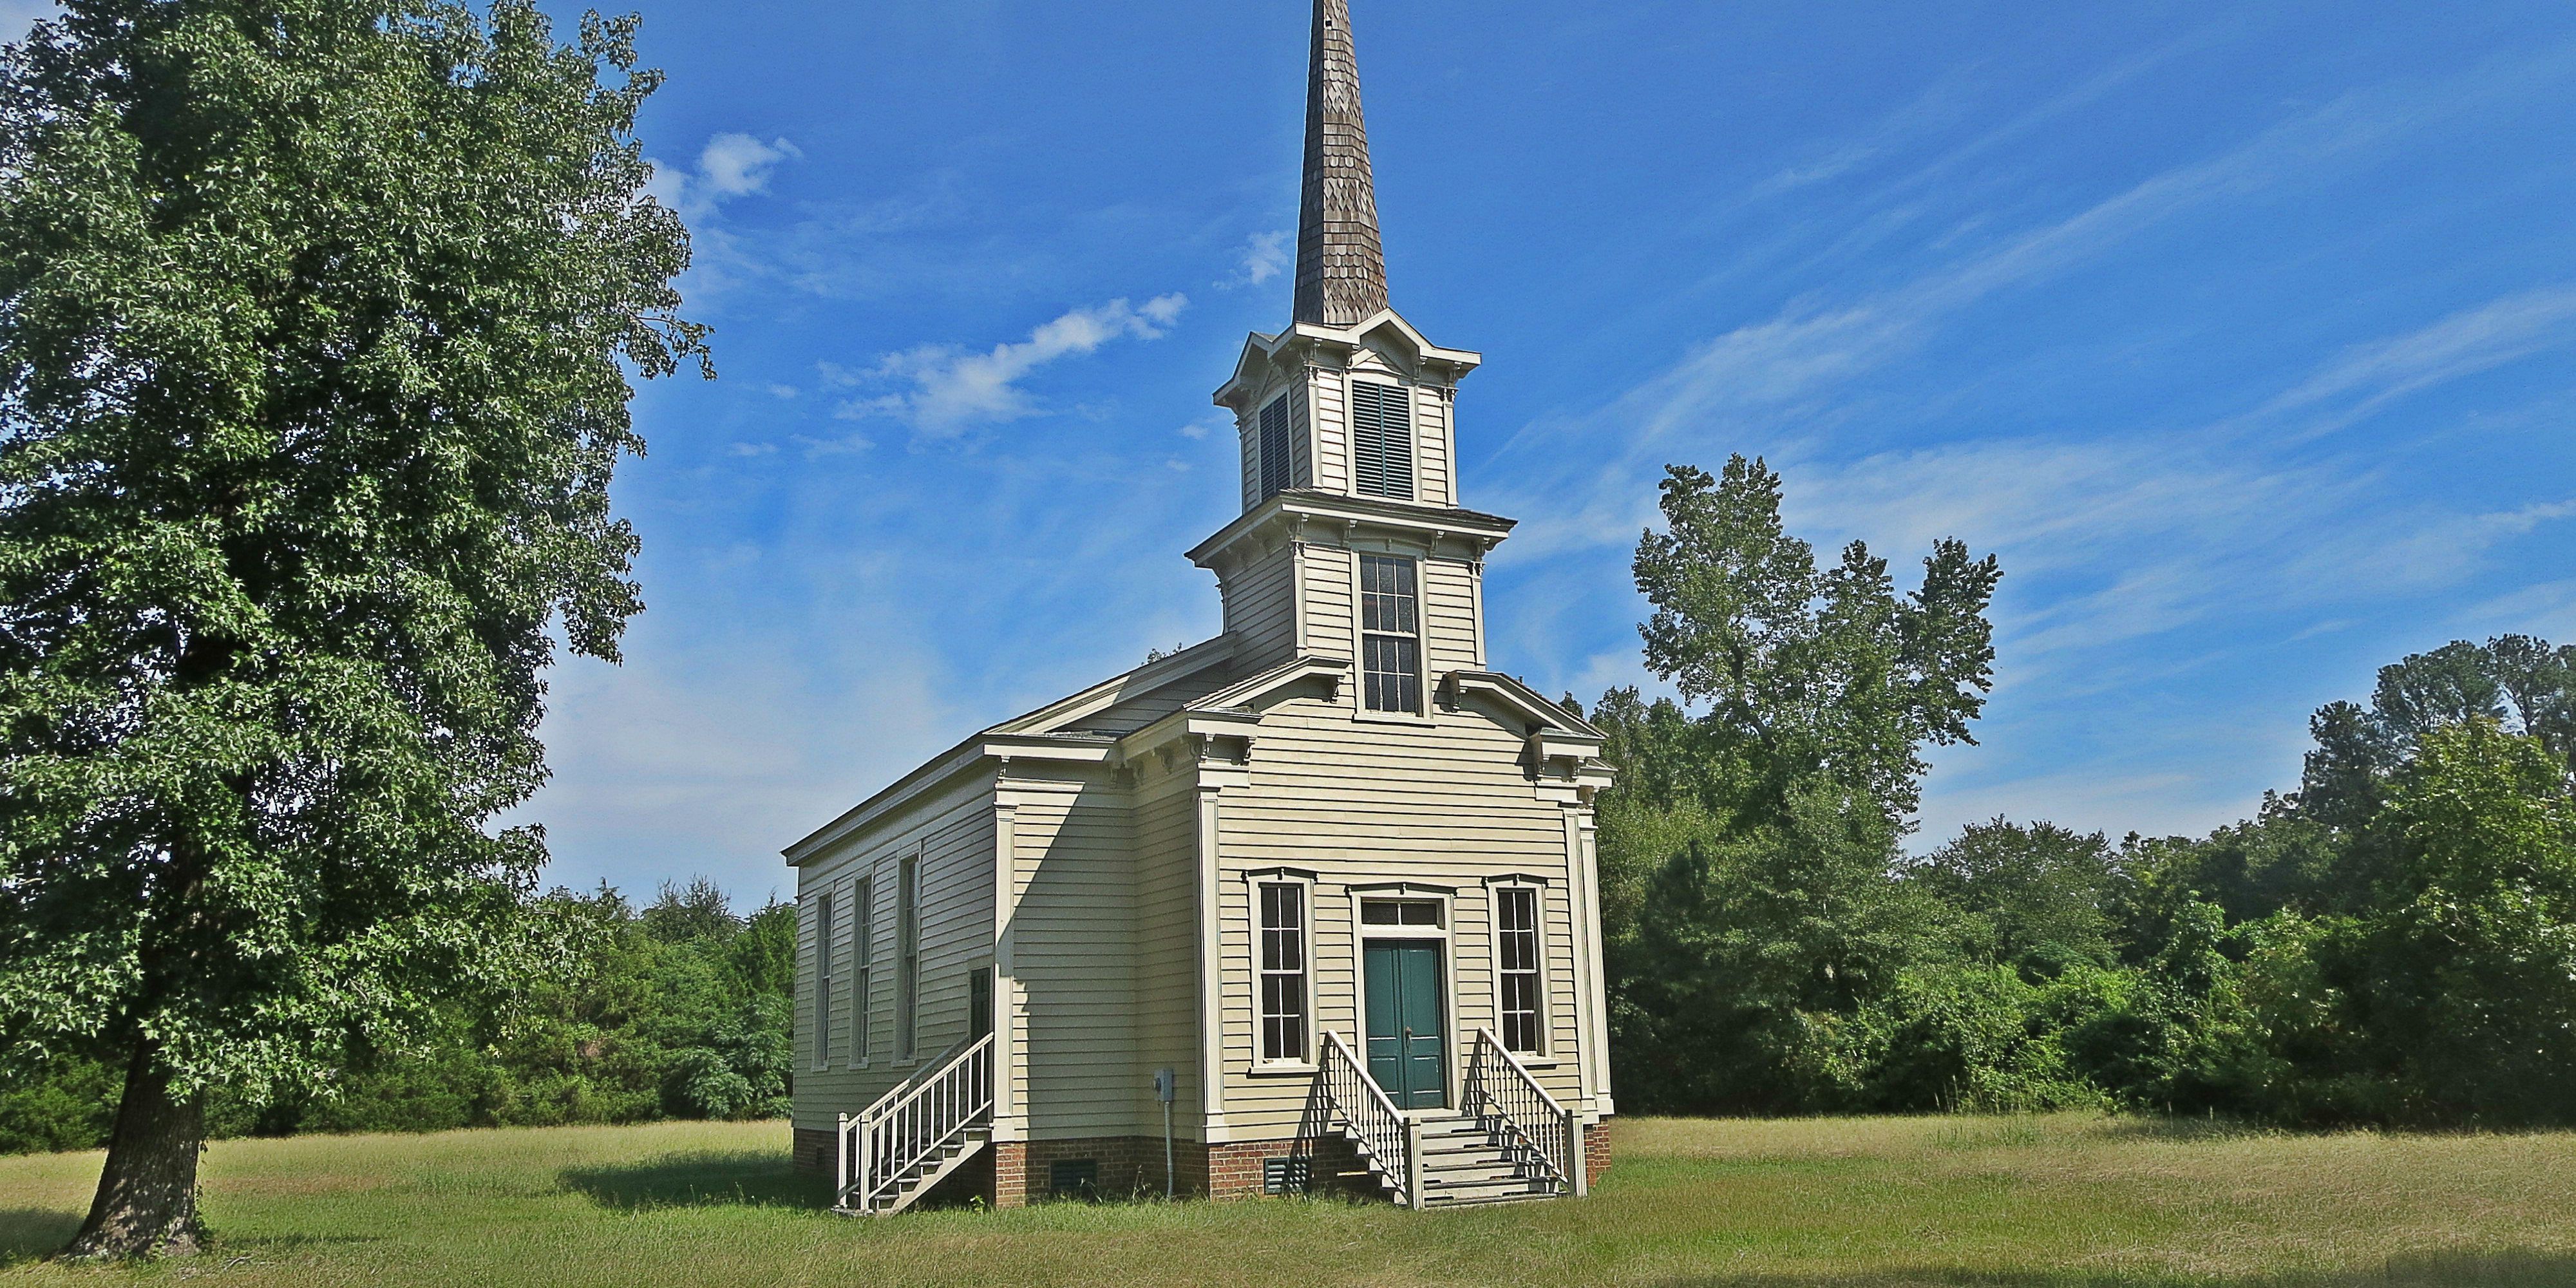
x: 1284, y: 1069
x: 1367, y: 716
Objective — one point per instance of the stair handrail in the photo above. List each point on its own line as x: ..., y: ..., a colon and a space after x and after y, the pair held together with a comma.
x: 920, y: 1118
x: 926, y: 1070
x: 1544, y: 1131
x: 1374, y: 1121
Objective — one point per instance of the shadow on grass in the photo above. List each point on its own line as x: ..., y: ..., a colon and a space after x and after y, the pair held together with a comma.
x: 29, y: 1233
x: 2436, y: 1270
x: 702, y: 1180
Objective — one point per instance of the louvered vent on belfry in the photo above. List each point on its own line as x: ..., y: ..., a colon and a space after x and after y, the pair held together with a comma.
x: 1382, y: 434
x: 1274, y: 447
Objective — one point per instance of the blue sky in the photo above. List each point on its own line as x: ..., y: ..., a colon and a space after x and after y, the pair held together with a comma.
x: 2246, y: 335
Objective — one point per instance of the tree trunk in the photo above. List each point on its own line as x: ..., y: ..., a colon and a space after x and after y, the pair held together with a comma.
x: 147, y: 1196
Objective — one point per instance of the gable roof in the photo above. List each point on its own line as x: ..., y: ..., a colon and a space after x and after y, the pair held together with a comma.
x: 1144, y: 680
x: 1052, y: 732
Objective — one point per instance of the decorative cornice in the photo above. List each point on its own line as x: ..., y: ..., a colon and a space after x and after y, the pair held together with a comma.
x: 1430, y: 524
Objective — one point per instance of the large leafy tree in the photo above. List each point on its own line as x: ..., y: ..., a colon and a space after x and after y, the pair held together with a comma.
x: 316, y: 323
x: 1807, y: 671
x: 1747, y: 849
x: 2523, y: 684
x: 2461, y: 972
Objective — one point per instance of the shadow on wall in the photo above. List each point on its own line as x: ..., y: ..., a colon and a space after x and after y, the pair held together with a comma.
x: 702, y: 1180
x: 2511, y: 1269
x: 29, y: 1233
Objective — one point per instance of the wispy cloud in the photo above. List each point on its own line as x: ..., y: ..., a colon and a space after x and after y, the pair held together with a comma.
x: 1780, y: 383
x: 730, y: 166
x: 951, y: 390
x: 2370, y: 376
x: 1265, y: 256
x: 845, y: 445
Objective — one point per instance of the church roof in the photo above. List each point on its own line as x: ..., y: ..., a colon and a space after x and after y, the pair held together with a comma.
x: 1170, y: 695
x: 1341, y: 267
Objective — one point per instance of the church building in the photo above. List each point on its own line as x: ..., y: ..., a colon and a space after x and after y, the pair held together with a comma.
x: 1311, y: 905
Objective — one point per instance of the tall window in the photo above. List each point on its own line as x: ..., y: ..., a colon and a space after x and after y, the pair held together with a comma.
x: 1516, y: 936
x: 907, y: 947
x: 1283, y: 972
x: 863, y: 960
x: 1274, y: 447
x: 1391, y: 634
x: 1382, y: 439
x: 823, y: 979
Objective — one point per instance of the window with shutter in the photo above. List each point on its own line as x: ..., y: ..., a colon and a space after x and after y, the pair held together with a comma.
x: 1274, y: 447
x: 1382, y: 440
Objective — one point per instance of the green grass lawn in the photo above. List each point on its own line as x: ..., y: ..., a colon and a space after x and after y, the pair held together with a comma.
x: 2021, y: 1202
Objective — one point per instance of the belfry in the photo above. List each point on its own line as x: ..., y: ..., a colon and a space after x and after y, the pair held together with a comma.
x: 1319, y: 893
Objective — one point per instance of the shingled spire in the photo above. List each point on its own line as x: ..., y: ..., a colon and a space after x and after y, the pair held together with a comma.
x: 1341, y: 270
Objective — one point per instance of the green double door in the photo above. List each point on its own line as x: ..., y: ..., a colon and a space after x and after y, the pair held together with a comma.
x: 1406, y: 1051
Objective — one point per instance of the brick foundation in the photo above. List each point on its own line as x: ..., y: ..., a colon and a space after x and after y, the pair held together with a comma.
x: 814, y: 1150
x: 1596, y: 1152
x: 1016, y: 1173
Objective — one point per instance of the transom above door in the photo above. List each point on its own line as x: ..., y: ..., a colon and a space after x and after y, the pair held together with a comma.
x: 1416, y: 913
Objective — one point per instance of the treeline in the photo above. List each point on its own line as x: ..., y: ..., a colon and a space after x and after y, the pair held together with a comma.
x: 679, y: 1009
x: 2393, y: 942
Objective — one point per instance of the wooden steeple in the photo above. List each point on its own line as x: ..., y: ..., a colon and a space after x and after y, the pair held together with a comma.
x: 1341, y: 269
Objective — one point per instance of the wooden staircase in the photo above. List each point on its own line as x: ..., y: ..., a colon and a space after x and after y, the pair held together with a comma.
x: 1465, y: 1161
x: 1512, y: 1143
x: 923, y: 1176
x: 913, y: 1137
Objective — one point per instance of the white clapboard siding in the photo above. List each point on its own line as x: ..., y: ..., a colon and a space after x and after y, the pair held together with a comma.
x: 1261, y: 610
x: 1332, y: 585
x: 1449, y: 610
x: 1434, y: 481
x: 1301, y: 447
x: 1328, y: 415
x: 1073, y: 914
x: 1362, y: 803
x: 1247, y: 430
x: 1166, y: 947
x: 954, y: 835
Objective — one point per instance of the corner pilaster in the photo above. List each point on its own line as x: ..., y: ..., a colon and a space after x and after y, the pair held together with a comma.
x: 1215, y: 774
x: 1007, y: 1003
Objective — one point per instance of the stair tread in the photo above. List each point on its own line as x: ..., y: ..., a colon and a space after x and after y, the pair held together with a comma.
x: 1482, y: 1202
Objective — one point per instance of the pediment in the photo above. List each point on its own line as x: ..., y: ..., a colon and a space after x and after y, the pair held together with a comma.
x: 1384, y: 332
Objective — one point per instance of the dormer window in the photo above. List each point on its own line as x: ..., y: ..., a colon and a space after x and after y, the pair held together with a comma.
x: 1274, y: 448
x: 1390, y: 635
x: 1382, y: 439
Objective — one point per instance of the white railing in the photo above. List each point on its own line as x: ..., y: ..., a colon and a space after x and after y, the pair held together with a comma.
x: 913, y: 1124
x: 1506, y: 1100
x: 1372, y: 1118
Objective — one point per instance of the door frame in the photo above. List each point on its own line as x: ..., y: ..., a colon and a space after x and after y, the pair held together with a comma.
x: 1453, y: 1053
